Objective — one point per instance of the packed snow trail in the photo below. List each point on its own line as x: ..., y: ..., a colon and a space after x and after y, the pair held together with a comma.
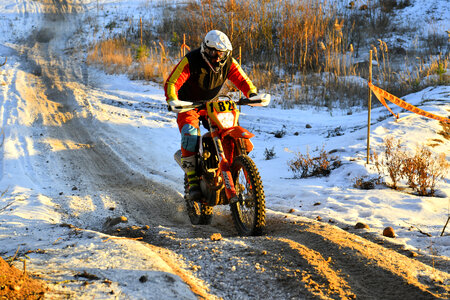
x: 81, y: 146
x: 89, y: 172
x: 57, y: 144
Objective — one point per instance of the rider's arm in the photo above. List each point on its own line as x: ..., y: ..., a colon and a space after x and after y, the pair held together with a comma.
x: 176, y: 79
x: 240, y: 79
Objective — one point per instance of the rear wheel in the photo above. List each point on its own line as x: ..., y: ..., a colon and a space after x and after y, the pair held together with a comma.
x: 199, y: 214
x: 249, y: 212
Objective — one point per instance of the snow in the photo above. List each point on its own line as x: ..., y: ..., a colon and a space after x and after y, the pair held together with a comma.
x: 31, y: 213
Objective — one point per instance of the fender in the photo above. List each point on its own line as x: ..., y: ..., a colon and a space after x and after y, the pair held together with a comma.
x: 237, y: 132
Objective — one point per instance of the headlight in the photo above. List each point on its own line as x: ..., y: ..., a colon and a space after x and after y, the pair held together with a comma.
x: 226, y: 119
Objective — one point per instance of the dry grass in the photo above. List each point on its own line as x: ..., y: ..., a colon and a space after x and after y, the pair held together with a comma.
x: 287, y: 34
x: 299, y: 49
x: 290, y: 46
x: 154, y: 66
x: 119, y: 56
x: 414, y: 74
x: 113, y: 54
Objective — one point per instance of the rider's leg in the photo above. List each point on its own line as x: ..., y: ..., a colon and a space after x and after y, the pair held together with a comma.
x: 189, y: 167
x: 190, y: 135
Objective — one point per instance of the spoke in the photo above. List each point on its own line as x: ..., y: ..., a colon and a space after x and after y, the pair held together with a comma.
x: 246, y: 204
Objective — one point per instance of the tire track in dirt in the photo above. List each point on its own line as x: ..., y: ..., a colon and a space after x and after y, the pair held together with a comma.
x: 301, y: 260
x: 370, y: 269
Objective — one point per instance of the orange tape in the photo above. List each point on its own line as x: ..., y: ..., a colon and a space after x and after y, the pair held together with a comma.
x: 382, y: 94
x: 384, y: 102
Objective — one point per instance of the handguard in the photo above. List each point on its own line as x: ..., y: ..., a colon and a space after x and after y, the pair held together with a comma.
x: 259, y: 100
x: 179, y: 106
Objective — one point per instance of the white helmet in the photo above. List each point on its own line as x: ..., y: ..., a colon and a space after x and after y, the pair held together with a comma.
x: 216, y: 48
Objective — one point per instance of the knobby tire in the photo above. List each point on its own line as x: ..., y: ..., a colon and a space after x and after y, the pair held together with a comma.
x: 199, y: 214
x: 249, y: 213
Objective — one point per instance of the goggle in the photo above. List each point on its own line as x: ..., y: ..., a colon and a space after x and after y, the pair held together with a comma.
x: 213, y: 53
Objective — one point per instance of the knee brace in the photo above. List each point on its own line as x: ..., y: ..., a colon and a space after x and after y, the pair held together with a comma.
x: 189, y: 137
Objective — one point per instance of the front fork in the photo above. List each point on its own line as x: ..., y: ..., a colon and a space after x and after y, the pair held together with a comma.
x: 224, y: 167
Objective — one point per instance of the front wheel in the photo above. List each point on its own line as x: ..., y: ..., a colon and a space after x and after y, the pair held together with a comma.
x: 199, y: 214
x: 249, y: 212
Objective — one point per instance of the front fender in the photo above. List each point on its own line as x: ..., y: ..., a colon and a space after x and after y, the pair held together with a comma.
x: 240, y: 133
x: 237, y: 132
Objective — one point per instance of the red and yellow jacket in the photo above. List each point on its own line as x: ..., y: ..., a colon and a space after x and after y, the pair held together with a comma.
x: 194, y: 80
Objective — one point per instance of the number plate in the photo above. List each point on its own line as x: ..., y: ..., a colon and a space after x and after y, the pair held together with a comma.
x: 221, y: 106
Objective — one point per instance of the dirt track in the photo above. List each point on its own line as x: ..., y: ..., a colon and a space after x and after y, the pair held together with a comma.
x: 295, y: 259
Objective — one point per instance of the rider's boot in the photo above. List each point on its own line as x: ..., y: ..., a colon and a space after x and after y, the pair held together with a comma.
x: 188, y: 165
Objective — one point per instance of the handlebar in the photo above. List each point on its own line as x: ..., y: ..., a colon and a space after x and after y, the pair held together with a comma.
x: 202, y: 105
x: 246, y: 101
x: 183, y: 106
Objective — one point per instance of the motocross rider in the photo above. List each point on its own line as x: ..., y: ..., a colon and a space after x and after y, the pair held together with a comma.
x: 199, y: 76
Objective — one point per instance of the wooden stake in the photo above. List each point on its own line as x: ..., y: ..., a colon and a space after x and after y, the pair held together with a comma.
x: 369, y: 107
x: 24, y: 267
x: 443, y: 230
x: 140, y: 24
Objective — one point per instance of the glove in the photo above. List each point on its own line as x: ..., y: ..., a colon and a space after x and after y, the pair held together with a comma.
x: 172, y: 103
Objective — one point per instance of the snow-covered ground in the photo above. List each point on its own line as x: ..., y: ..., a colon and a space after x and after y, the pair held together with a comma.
x: 31, y: 214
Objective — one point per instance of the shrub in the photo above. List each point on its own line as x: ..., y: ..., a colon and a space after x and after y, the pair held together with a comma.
x: 305, y: 166
x: 421, y: 170
x: 301, y: 164
x: 280, y: 133
x: 390, y: 5
x: 391, y: 161
x: 335, y: 132
x: 269, y: 153
x: 366, y: 182
x: 142, y: 52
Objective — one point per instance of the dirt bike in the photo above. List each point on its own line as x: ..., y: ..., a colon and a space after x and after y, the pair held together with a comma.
x: 228, y: 176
